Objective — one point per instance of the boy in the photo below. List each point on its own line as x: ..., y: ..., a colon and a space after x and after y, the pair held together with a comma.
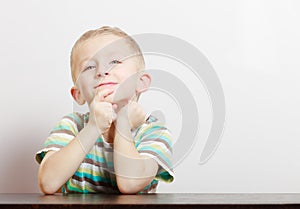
x: 114, y: 148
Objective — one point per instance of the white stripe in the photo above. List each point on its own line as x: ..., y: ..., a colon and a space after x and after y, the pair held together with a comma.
x: 68, y: 120
x: 48, y: 149
x: 163, y: 147
x: 167, y: 154
x: 164, y: 133
x: 62, y: 135
x: 95, y: 168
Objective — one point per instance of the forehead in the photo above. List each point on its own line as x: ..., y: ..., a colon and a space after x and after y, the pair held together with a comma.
x: 104, y: 45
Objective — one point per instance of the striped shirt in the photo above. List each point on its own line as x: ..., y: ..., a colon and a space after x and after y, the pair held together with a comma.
x: 96, y: 172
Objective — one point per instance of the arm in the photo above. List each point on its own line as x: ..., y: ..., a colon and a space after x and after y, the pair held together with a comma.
x: 57, y: 167
x: 133, y: 171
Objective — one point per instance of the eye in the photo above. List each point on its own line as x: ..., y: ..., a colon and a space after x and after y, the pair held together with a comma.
x: 90, y: 67
x: 115, y: 62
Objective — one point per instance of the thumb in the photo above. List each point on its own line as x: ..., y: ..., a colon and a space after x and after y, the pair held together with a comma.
x: 114, y: 114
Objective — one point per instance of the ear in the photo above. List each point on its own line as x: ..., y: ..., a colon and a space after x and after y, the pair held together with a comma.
x: 76, y: 94
x: 143, y: 83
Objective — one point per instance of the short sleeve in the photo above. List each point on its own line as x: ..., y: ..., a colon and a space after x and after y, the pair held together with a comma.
x: 63, y: 132
x: 154, y: 140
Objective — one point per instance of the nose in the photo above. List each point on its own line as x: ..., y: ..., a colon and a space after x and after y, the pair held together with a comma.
x: 102, y: 74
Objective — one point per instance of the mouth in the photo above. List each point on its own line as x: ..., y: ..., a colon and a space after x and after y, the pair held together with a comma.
x: 106, y: 84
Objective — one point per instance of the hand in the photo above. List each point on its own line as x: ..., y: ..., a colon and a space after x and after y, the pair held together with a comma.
x: 133, y: 113
x: 102, y: 113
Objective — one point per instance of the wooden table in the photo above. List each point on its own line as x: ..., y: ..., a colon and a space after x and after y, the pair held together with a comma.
x: 159, y: 200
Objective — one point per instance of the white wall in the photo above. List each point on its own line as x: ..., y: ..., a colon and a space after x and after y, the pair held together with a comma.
x: 253, y: 46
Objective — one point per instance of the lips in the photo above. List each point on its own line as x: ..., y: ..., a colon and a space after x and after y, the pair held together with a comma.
x: 106, y: 84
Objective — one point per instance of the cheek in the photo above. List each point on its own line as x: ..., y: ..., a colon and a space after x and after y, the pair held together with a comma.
x: 86, y: 87
x: 86, y: 79
x: 127, y: 87
x: 128, y: 81
x: 125, y: 71
x: 124, y: 75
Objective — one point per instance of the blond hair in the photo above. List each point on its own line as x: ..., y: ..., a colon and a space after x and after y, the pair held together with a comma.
x: 104, y: 31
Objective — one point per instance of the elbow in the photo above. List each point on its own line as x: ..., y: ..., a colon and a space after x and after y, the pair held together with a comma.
x: 48, y: 188
x: 47, y: 185
x: 128, y: 188
x: 131, y: 186
x: 48, y: 180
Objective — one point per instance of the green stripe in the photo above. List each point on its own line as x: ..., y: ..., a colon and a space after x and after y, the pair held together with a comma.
x: 76, y: 189
x: 76, y: 118
x: 154, y: 136
x: 91, y: 176
x: 165, y: 176
x: 154, y: 181
x: 99, y: 159
x: 55, y: 142
x: 147, y: 130
x: 158, y: 152
x: 62, y: 127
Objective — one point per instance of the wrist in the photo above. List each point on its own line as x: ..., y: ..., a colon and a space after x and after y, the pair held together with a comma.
x: 92, y: 129
x: 97, y: 128
x: 87, y: 137
x: 123, y: 129
x: 122, y: 123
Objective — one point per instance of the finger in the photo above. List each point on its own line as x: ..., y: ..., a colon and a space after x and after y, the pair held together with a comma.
x: 101, y: 95
x: 114, y: 115
x: 115, y: 109
x: 114, y: 106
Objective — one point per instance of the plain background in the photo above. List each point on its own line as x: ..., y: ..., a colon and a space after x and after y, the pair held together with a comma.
x: 253, y: 45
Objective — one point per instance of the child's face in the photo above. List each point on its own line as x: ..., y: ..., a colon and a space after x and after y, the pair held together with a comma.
x: 106, y: 62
